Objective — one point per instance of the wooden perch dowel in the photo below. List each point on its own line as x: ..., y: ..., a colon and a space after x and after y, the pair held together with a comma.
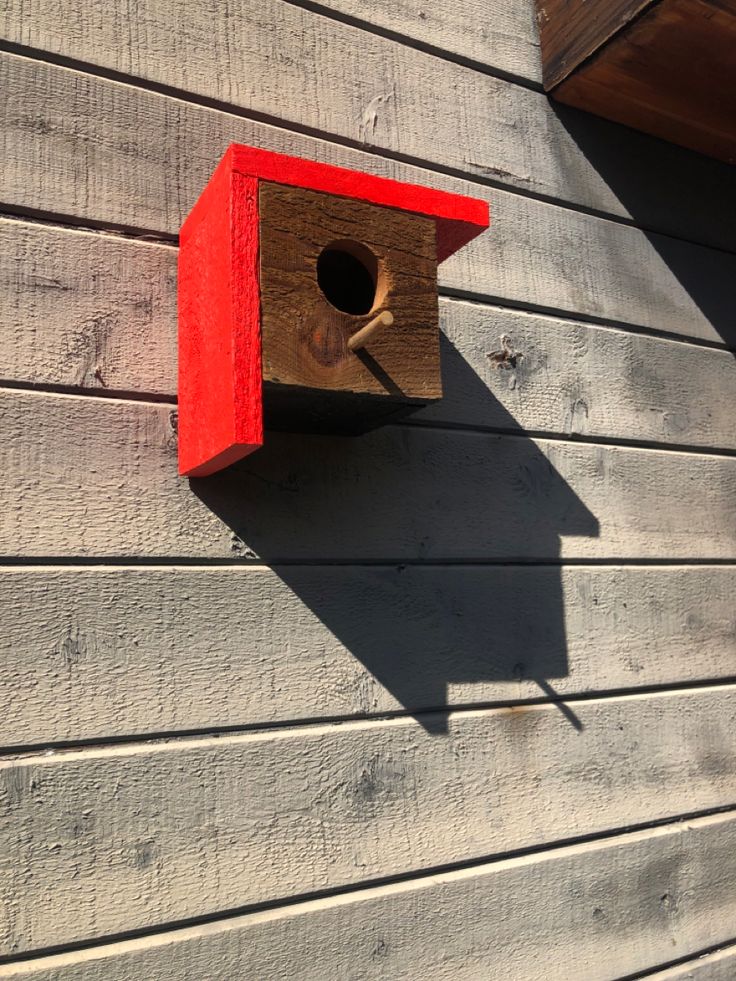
x: 361, y: 337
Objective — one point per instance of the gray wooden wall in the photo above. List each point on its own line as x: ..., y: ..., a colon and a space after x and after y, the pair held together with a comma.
x: 455, y: 700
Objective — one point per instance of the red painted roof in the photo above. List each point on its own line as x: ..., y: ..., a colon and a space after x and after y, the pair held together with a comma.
x: 459, y: 219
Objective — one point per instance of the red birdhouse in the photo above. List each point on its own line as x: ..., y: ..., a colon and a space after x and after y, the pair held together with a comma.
x: 307, y: 302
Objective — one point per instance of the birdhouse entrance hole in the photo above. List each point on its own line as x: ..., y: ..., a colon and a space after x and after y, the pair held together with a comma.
x: 347, y: 274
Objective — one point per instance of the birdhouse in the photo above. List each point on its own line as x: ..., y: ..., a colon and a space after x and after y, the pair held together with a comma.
x: 307, y: 302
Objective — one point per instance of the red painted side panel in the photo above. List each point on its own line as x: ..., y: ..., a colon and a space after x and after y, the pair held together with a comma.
x: 220, y: 417
x: 246, y: 314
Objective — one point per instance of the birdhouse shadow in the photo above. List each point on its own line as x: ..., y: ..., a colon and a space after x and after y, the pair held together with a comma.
x: 430, y: 553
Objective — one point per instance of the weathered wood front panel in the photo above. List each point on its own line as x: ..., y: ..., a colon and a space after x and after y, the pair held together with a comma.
x: 452, y: 700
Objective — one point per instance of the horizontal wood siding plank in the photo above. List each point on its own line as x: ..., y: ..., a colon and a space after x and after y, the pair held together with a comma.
x: 574, y: 914
x: 87, y: 310
x: 96, y: 653
x: 99, y: 312
x: 570, y: 378
x: 281, y: 62
x: 98, y: 477
x: 137, y: 836
x: 127, y: 157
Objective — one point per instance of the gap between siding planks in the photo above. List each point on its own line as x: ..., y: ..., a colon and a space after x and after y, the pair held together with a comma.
x: 105, y: 645
x: 133, y: 837
x: 109, y: 468
x: 286, y: 64
x: 717, y: 966
x: 98, y: 312
x: 631, y: 900
x: 613, y: 273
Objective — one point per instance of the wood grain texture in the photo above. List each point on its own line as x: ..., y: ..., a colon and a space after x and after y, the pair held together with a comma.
x: 139, y: 159
x: 99, y: 313
x: 282, y: 62
x: 88, y: 311
x: 94, y: 653
x: 573, y: 30
x: 671, y: 73
x: 305, y: 336
x: 126, y: 837
x: 570, y: 914
x: 93, y: 477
